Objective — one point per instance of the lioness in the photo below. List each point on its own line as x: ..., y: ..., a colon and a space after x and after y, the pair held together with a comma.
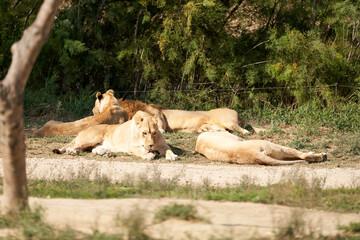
x: 132, y: 106
x: 110, y: 112
x: 226, y: 147
x: 139, y: 136
x: 219, y: 119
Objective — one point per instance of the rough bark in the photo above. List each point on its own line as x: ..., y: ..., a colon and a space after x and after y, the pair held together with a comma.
x: 24, y: 54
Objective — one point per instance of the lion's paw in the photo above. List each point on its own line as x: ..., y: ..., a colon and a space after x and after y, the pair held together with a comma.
x: 71, y: 151
x: 313, y: 157
x: 171, y: 156
x: 102, y: 151
x: 149, y: 156
x: 246, y: 132
x: 324, y: 157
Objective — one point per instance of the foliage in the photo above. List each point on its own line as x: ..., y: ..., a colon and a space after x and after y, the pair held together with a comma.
x: 135, y: 224
x: 180, y: 211
x: 196, y: 54
x: 295, y: 228
x: 353, y: 227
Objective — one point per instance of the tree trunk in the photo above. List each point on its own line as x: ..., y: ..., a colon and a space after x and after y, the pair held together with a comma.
x: 24, y: 54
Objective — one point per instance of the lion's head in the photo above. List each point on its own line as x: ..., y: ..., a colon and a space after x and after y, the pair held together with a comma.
x: 103, y: 100
x: 145, y: 131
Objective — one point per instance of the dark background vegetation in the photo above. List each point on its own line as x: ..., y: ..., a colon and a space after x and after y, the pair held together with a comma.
x: 192, y: 55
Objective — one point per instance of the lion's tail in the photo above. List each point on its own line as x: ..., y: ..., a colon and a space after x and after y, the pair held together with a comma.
x: 52, y: 127
x: 56, y: 151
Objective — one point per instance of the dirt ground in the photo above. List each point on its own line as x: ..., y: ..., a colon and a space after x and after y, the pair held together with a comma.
x: 223, y: 219
x: 215, y: 175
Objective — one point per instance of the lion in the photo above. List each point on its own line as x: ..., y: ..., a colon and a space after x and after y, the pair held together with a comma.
x: 110, y: 112
x: 219, y: 119
x: 139, y: 136
x: 132, y: 106
x: 226, y: 147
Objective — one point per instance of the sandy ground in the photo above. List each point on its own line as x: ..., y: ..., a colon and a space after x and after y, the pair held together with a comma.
x: 223, y: 219
x: 216, y: 175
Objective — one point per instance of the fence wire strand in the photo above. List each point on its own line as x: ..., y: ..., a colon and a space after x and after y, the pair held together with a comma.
x: 243, y: 90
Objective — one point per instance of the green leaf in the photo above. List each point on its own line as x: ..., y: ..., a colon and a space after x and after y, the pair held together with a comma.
x: 75, y: 47
x: 208, y: 3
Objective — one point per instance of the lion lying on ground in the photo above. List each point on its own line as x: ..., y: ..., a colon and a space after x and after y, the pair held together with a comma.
x: 220, y: 119
x: 139, y: 136
x: 226, y: 147
x: 110, y: 112
x: 132, y: 106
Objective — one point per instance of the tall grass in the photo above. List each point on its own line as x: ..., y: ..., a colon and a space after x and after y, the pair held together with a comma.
x: 135, y: 225
x: 345, y: 117
x: 48, y: 105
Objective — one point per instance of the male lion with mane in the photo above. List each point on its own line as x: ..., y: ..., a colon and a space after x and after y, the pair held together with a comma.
x: 139, y: 136
x: 226, y: 147
x: 132, y: 106
x: 110, y: 112
x: 220, y: 119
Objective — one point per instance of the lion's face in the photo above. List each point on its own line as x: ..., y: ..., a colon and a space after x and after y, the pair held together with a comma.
x: 146, y: 131
x: 103, y: 100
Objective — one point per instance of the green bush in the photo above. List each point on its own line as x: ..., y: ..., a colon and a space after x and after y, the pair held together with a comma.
x: 194, y: 54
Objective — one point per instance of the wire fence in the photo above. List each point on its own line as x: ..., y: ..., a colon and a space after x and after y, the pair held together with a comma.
x: 143, y: 94
x: 239, y: 90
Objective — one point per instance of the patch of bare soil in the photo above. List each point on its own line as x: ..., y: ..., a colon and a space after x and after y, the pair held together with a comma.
x: 223, y: 219
x: 214, y: 175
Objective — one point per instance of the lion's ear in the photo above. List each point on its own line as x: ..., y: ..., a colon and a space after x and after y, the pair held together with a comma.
x: 155, y: 119
x: 99, y: 95
x: 138, y: 118
x: 110, y: 91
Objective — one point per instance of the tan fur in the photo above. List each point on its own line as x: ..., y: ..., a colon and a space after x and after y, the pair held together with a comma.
x: 139, y: 136
x: 111, y: 113
x: 132, y: 106
x: 220, y: 119
x: 226, y: 147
